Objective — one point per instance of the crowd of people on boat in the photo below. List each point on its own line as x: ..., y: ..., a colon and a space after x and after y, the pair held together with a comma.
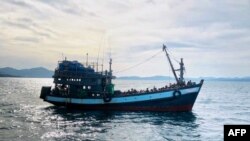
x: 154, y: 89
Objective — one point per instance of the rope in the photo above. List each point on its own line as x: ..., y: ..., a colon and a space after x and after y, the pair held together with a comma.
x: 146, y: 60
x: 172, y: 56
x: 140, y: 63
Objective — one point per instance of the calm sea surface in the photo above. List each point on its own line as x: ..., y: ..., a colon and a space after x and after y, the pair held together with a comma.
x: 23, y: 116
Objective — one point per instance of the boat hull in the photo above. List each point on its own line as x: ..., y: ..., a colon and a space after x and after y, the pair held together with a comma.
x: 184, y: 103
x: 161, y: 101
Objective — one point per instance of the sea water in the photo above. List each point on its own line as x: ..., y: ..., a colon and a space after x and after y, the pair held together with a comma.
x: 24, y: 116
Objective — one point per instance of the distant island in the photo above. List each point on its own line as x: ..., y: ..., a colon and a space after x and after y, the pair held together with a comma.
x: 157, y: 77
x: 7, y: 75
x: 198, y: 79
x: 41, y: 72
x: 38, y: 72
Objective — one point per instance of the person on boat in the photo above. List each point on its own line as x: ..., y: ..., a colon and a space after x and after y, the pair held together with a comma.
x: 154, y: 89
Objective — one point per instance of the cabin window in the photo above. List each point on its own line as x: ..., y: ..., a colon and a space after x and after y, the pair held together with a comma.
x: 93, y: 95
x: 99, y: 81
x: 83, y: 87
x: 89, y: 87
x: 97, y: 94
x: 59, y: 79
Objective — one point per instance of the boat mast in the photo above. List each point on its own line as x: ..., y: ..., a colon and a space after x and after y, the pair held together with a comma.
x: 182, y: 71
x: 110, y: 70
x: 171, y: 65
x: 87, y: 60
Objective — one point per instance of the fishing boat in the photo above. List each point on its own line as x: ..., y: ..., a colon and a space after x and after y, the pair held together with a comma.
x: 80, y: 86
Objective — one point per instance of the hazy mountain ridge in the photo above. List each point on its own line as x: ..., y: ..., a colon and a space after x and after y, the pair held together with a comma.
x: 7, y: 75
x: 197, y: 79
x: 38, y: 72
x: 157, y: 77
x: 41, y: 72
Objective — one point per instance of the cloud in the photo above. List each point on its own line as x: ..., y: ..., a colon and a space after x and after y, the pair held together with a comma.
x: 19, y: 3
x: 214, y: 35
x: 25, y: 39
x: 13, y: 24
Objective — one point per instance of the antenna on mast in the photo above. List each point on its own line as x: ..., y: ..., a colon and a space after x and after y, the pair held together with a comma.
x: 182, y: 69
x: 110, y: 64
x: 110, y: 70
x: 102, y: 67
x: 87, y: 59
x: 97, y: 67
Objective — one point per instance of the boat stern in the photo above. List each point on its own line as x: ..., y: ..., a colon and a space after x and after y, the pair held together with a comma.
x: 46, y: 90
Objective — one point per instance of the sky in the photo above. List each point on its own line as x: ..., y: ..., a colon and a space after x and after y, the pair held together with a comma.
x: 212, y: 36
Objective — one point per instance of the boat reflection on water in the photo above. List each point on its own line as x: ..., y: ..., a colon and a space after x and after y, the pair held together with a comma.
x: 109, y: 125
x: 154, y: 118
x: 75, y: 114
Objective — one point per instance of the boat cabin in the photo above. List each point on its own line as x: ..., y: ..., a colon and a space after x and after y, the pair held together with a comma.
x: 77, y: 80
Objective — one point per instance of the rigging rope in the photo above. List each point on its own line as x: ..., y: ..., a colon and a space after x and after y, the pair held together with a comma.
x: 172, y: 56
x: 146, y: 60
x: 140, y: 63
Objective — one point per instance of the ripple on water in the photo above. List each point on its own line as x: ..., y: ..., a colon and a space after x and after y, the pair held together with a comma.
x: 23, y: 116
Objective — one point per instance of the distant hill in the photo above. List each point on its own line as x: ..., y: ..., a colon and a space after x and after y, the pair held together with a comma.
x: 195, y: 79
x: 226, y: 78
x: 38, y: 72
x: 41, y: 72
x: 7, y: 75
x: 158, y: 77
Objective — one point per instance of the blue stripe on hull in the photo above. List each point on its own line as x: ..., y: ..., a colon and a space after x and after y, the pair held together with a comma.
x: 123, y: 100
x: 181, y: 103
